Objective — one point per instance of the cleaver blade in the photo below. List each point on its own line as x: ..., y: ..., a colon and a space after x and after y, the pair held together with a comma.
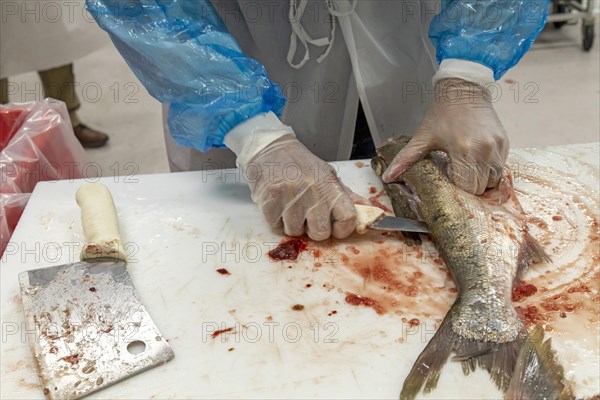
x: 87, y: 326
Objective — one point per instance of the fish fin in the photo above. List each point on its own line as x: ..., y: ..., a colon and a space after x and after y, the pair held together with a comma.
x: 537, y: 374
x: 531, y: 252
x: 497, y: 358
x: 506, y: 189
x: 426, y: 370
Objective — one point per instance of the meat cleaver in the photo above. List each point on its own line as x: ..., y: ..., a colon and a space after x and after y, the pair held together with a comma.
x: 91, y: 328
x: 368, y: 217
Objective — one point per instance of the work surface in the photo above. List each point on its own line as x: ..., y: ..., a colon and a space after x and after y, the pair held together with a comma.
x: 181, y: 228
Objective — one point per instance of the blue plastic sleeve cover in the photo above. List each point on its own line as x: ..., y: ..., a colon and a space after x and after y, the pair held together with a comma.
x: 182, y: 53
x: 495, y: 33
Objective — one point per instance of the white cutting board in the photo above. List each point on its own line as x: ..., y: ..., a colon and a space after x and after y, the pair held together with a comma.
x: 182, y: 227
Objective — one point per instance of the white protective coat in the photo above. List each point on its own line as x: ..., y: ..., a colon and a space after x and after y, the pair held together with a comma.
x: 39, y: 35
x: 383, y: 56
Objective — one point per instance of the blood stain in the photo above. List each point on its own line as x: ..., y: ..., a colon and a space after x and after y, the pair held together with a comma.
x: 353, y: 249
x: 530, y: 315
x: 288, y: 249
x: 356, y: 300
x: 72, y: 359
x: 221, y: 331
x: 522, y: 290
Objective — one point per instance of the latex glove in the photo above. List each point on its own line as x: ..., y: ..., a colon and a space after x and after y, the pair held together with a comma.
x: 463, y: 124
x: 291, y: 185
x: 294, y: 187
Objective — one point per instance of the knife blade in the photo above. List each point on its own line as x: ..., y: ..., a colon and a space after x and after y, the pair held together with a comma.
x: 388, y: 223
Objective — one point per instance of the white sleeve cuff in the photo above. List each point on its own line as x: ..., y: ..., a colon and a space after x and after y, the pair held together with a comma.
x: 466, y: 70
x: 251, y: 136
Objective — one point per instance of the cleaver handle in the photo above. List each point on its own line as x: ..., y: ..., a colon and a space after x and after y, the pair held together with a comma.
x: 100, y: 223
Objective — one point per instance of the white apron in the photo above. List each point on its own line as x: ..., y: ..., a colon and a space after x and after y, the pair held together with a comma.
x: 383, y: 56
x: 44, y: 34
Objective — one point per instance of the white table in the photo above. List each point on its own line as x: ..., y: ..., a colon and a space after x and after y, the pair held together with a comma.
x: 183, y: 227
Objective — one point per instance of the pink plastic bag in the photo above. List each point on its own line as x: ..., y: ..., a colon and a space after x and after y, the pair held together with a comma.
x: 37, y: 144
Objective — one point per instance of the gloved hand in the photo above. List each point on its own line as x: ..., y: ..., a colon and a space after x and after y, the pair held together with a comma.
x: 463, y: 124
x: 293, y: 186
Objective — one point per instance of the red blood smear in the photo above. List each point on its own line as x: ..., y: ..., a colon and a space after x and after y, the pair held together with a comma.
x: 581, y: 288
x: 317, y: 253
x: 353, y: 249
x: 356, y: 300
x: 411, y: 291
x: 220, y: 332
x: 288, y: 249
x: 223, y: 271
x: 72, y: 359
x: 530, y: 315
x: 415, y: 277
x: 372, y: 190
x: 414, y: 322
x: 550, y: 306
x: 523, y: 290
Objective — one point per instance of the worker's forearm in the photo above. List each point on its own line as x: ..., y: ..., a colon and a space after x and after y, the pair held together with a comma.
x: 494, y: 33
x: 184, y: 56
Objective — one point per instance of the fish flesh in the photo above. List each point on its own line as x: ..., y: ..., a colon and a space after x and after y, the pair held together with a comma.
x: 484, y: 241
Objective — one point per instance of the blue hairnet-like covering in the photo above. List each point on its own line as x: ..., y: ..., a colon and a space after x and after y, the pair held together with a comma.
x: 182, y: 53
x: 495, y: 33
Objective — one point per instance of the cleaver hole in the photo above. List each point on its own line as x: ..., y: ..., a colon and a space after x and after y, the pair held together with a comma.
x: 136, y: 347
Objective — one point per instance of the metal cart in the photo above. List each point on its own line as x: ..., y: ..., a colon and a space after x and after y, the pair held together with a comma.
x: 571, y: 11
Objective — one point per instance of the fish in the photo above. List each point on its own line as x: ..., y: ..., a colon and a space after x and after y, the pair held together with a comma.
x: 485, y: 243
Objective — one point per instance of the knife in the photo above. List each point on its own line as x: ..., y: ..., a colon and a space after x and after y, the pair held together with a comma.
x: 368, y: 217
x: 91, y: 328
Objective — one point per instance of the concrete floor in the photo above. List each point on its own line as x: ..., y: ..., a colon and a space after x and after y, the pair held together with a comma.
x: 552, y: 97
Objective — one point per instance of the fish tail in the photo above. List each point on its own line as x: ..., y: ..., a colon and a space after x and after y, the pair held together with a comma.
x: 426, y: 370
x: 498, y: 359
x: 537, y: 374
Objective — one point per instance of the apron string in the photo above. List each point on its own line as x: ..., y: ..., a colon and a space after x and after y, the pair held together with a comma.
x: 297, y: 8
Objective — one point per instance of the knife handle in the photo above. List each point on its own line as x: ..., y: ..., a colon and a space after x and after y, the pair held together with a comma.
x: 365, y: 216
x: 100, y: 223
